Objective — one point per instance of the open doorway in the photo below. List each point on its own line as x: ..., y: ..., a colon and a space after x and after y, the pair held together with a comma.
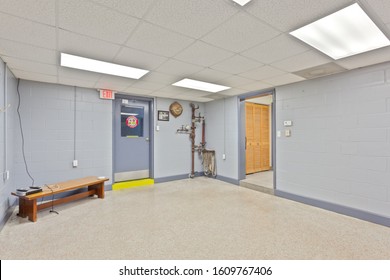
x: 258, y: 131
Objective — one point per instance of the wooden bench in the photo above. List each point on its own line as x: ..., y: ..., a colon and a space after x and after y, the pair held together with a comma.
x: 28, y: 206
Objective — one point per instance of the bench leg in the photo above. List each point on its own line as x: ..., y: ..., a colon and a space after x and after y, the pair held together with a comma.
x: 22, y: 208
x: 31, y: 207
x: 99, y: 189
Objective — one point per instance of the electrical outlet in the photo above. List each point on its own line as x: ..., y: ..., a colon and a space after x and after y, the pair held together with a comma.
x: 75, y: 163
x: 224, y: 156
x: 6, y: 175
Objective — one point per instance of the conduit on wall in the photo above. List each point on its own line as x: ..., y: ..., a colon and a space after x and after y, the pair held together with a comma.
x: 5, y: 172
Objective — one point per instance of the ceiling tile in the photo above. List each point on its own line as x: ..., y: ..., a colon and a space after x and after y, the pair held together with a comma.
x: 365, y: 59
x: 154, y: 39
x: 25, y: 31
x: 262, y: 73
x: 210, y: 75
x: 289, y: 15
x: 137, y: 91
x: 33, y: 76
x: 240, y: 33
x: 76, y: 82
x: 276, y: 49
x: 194, y: 93
x: 139, y: 59
x: 381, y: 8
x: 28, y: 52
x: 233, y: 91
x: 114, y: 83
x: 236, y: 64
x: 71, y: 73
x: 81, y: 45
x: 42, y: 11
x: 191, y: 18
x: 203, y: 54
x: 284, y: 79
x: 235, y: 81
x: 256, y: 86
x: 302, y: 61
x: 159, y: 93
x: 193, y: 98
x: 31, y: 66
x: 95, y: 20
x: 135, y: 8
x: 181, y: 69
x: 161, y: 78
x: 148, y: 85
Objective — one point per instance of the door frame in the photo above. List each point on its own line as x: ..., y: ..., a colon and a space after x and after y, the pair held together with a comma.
x: 242, y: 131
x: 151, y: 130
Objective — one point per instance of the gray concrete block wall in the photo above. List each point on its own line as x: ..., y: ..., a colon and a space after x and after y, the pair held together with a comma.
x: 339, y: 151
x: 172, y: 150
x: 62, y: 123
x: 7, y: 186
x: 222, y: 135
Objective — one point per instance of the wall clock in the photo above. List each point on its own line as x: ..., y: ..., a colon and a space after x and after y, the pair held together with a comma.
x: 176, y: 109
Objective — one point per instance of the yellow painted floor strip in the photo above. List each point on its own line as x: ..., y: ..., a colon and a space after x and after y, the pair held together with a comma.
x: 132, y: 184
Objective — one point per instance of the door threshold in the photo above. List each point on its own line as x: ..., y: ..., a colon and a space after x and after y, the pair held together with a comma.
x: 132, y: 184
x: 257, y: 188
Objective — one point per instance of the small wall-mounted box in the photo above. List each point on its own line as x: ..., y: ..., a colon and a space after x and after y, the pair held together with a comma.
x: 287, y: 123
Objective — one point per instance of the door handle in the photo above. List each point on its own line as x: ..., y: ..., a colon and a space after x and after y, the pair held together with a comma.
x: 245, y: 143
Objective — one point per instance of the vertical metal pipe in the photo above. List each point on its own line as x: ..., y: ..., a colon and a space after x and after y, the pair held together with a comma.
x: 192, y: 135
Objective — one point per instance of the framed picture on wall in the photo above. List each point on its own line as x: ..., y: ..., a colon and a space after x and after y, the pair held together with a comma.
x: 163, y: 115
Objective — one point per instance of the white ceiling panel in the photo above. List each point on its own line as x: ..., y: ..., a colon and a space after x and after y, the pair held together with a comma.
x: 76, y: 82
x: 135, y: 8
x: 28, y: 52
x: 302, y: 61
x: 256, y: 86
x: 178, y: 68
x: 210, y: 75
x: 203, y: 54
x: 236, y: 64
x: 368, y: 58
x: 25, y: 31
x: 31, y: 66
x: 240, y: 33
x: 139, y: 59
x: 72, y: 43
x: 276, y: 49
x: 33, y: 76
x: 193, y: 98
x: 262, y: 73
x: 235, y: 81
x: 157, y: 40
x: 42, y: 11
x: 289, y: 15
x: 246, y: 48
x: 94, y: 20
x: 284, y: 79
x: 192, y: 18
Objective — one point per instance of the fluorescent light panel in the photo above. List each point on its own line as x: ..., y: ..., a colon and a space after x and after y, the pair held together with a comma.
x: 242, y: 2
x: 344, y: 33
x: 199, y: 85
x: 82, y: 63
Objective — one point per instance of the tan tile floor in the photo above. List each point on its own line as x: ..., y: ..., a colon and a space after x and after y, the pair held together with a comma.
x: 197, y: 218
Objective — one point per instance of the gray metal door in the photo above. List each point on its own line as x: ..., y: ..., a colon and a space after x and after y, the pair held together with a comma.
x: 131, y: 139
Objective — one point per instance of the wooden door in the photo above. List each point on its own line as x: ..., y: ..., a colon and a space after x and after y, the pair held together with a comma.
x: 257, y: 138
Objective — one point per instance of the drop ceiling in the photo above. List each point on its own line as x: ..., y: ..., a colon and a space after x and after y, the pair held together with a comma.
x: 217, y: 41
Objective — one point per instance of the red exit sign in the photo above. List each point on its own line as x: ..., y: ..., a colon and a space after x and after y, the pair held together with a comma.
x: 107, y: 94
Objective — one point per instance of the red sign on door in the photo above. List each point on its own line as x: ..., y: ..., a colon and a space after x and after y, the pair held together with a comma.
x: 132, y: 122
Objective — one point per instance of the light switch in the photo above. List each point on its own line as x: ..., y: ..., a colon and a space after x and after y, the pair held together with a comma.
x: 287, y: 132
x: 279, y: 134
x: 287, y: 123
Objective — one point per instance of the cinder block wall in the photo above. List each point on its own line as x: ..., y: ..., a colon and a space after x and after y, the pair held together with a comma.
x: 62, y: 123
x: 339, y: 149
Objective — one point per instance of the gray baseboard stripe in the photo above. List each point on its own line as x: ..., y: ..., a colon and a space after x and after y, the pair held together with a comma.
x: 228, y: 180
x: 348, y: 211
x: 171, y: 178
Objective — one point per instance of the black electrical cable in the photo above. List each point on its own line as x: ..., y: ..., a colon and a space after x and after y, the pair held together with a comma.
x: 52, y: 200
x: 21, y: 132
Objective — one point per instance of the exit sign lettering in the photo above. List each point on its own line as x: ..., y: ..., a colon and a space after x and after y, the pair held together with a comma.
x: 107, y: 94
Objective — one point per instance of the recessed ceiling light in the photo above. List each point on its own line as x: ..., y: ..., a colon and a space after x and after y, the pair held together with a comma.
x: 82, y: 63
x: 242, y: 2
x: 199, y: 85
x: 344, y: 33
